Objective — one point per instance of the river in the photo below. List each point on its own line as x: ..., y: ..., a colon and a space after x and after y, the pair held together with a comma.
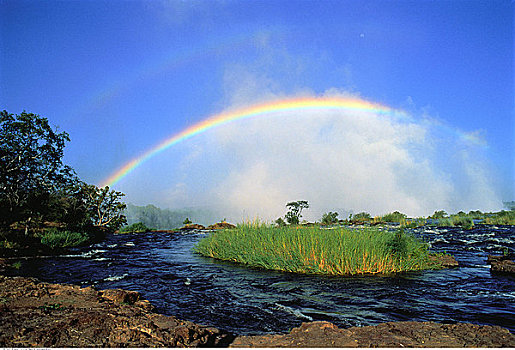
x: 246, y: 300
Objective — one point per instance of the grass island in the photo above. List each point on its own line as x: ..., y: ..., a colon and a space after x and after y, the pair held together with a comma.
x: 315, y: 250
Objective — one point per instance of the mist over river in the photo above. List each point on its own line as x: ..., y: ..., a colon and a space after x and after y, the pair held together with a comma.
x: 246, y: 300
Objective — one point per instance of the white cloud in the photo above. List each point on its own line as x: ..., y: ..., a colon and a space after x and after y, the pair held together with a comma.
x: 360, y: 161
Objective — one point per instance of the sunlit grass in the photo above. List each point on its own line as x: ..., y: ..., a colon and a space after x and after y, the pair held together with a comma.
x: 340, y: 251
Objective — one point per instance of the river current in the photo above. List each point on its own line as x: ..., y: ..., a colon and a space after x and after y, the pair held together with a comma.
x: 246, y: 300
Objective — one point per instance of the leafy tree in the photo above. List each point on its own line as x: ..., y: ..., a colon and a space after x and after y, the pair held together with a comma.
x: 330, y: 218
x: 186, y: 221
x: 103, y: 206
x: 362, y: 216
x: 394, y: 217
x: 294, y: 211
x: 31, y: 166
x: 439, y: 214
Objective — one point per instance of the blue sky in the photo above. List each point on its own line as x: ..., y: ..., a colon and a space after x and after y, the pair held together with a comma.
x: 120, y: 76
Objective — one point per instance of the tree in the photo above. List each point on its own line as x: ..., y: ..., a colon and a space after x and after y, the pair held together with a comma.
x: 439, y: 214
x: 330, y: 218
x: 294, y: 211
x: 186, y: 221
x: 103, y: 206
x: 31, y: 168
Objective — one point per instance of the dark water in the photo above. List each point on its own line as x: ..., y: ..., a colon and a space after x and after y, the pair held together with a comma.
x: 252, y: 301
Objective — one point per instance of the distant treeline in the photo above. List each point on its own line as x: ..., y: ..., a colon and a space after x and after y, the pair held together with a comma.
x: 163, y: 219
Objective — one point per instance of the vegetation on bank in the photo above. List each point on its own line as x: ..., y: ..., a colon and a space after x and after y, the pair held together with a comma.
x: 42, y: 200
x: 137, y: 227
x: 339, y: 251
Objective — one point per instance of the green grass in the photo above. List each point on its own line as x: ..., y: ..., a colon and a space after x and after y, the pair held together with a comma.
x: 63, y: 239
x: 312, y: 250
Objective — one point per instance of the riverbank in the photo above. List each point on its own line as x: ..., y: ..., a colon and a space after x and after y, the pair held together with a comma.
x: 39, y: 314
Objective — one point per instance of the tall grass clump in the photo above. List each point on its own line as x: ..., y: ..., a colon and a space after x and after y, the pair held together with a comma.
x: 341, y: 251
x: 63, y: 239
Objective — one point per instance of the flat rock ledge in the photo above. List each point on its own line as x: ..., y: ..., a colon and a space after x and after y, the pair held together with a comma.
x: 391, y: 334
x: 39, y: 314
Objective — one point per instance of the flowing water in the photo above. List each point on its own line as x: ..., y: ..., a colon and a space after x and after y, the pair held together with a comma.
x: 245, y: 300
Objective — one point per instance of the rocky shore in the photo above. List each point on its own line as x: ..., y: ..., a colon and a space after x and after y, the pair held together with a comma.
x: 39, y: 314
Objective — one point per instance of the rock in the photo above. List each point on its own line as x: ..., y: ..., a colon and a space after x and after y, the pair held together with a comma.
x: 221, y: 226
x: 501, y: 264
x: 37, y: 314
x: 444, y: 259
x: 121, y: 296
x: 392, y: 334
x: 192, y: 227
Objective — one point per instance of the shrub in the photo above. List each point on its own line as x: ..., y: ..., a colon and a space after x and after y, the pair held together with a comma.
x: 137, y: 227
x: 63, y: 239
x: 330, y: 218
x: 394, y: 217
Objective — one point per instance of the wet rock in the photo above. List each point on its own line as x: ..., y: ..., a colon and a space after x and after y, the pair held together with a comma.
x: 501, y: 264
x: 221, y: 226
x: 192, y: 227
x: 38, y: 314
x: 444, y: 259
x: 392, y: 334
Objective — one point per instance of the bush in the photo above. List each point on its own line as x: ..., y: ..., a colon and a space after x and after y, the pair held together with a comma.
x: 330, y: 218
x: 137, y: 227
x: 63, y: 239
x: 394, y: 217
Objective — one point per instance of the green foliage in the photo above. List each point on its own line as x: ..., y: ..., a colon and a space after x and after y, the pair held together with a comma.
x: 341, y: 251
x: 52, y: 307
x: 104, y: 206
x: 394, y: 217
x: 294, y: 211
x: 36, y: 187
x: 463, y: 221
x: 362, y: 217
x: 63, y: 239
x: 32, y: 169
x: 137, y: 227
x: 186, y: 221
x: 280, y: 222
x: 330, y: 218
x: 500, y: 218
x: 439, y: 214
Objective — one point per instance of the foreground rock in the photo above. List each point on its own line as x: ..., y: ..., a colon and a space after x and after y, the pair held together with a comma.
x: 392, y: 334
x: 36, y: 314
x: 501, y: 264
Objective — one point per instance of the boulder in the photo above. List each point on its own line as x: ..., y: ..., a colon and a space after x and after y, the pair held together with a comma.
x: 192, y: 227
x: 501, y: 264
x: 444, y: 259
x: 221, y: 226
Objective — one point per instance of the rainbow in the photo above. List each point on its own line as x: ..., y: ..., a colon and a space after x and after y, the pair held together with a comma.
x: 267, y: 108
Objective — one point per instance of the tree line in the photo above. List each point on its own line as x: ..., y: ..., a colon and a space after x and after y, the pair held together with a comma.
x: 38, y: 191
